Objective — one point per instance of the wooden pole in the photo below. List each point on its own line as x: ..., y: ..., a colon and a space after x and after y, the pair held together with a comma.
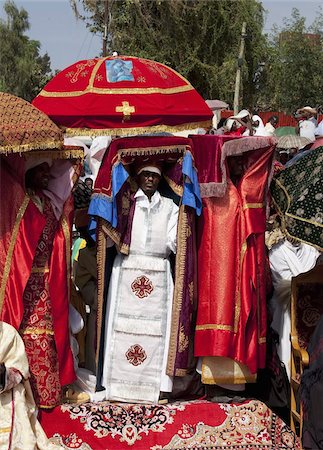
x: 105, y: 30
x: 238, y: 75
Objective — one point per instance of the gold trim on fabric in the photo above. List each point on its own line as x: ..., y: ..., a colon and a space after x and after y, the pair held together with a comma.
x: 152, y: 150
x: 67, y: 235
x: 214, y: 326
x: 135, y: 130
x: 178, y: 189
x: 317, y: 224
x: 12, y: 244
x: 35, y: 330
x: 237, y: 307
x: 46, y: 406
x: 230, y: 380
x: 100, y: 257
x: 57, y: 154
x: 108, y: 229
x: 178, y: 288
x: 21, y: 148
x: 180, y: 372
x: 117, y: 91
x: 253, y: 205
x: 5, y: 430
x: 40, y: 270
x: 262, y: 340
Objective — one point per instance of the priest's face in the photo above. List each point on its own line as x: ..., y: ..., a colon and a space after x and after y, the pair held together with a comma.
x: 39, y: 176
x: 148, y: 182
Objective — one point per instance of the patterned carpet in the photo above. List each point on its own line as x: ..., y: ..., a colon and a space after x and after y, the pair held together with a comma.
x: 183, y: 425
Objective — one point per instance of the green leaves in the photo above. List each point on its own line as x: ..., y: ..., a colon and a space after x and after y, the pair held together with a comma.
x: 23, y: 72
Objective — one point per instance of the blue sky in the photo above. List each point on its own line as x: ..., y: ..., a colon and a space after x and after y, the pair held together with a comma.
x: 67, y: 40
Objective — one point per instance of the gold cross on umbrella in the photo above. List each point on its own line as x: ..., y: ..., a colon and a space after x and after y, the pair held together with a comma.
x: 126, y: 109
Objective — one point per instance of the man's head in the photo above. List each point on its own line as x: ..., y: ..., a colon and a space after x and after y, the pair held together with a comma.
x: 37, y: 175
x: 148, y: 179
x: 306, y: 112
x: 89, y: 182
x: 273, y: 120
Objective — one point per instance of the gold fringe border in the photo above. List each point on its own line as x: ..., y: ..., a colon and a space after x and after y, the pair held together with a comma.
x: 178, y: 290
x: 135, y: 130
x: 139, y: 151
x: 66, y: 153
x: 22, y: 148
x: 100, y: 257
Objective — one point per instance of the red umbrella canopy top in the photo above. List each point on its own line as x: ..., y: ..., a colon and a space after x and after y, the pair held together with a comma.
x: 122, y: 95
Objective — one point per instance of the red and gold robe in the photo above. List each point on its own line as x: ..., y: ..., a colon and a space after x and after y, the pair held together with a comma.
x: 231, y: 320
x: 22, y: 225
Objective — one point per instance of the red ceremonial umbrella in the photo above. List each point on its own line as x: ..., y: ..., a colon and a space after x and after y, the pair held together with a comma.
x: 122, y: 95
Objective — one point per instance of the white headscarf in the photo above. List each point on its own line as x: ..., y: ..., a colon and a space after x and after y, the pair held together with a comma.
x: 260, y: 130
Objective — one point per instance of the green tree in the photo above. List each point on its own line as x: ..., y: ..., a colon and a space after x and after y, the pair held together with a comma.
x: 198, y: 38
x: 293, y: 70
x: 23, y: 71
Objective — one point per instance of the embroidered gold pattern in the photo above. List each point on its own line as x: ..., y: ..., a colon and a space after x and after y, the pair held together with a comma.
x: 253, y: 206
x: 100, y: 256
x: 178, y: 288
x: 183, y: 340
x: 126, y: 110
x: 34, y: 330
x: 12, y: 244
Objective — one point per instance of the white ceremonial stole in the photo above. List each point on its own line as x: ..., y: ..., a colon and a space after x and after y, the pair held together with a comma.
x: 137, y: 341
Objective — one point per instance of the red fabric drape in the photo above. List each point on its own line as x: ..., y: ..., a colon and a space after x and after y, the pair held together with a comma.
x: 231, y: 319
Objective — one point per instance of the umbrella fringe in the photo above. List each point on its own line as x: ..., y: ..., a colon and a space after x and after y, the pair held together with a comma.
x: 136, y: 130
x: 21, y: 148
x: 66, y: 153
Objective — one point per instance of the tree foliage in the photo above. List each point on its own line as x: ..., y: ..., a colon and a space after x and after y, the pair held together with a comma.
x: 23, y: 71
x: 198, y: 38
x: 293, y: 71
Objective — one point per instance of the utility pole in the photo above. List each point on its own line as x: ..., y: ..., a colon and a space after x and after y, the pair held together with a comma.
x: 238, y: 76
x: 105, y: 30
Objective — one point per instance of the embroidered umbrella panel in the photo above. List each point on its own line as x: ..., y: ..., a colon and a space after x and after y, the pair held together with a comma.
x: 23, y: 127
x: 122, y: 95
x: 297, y: 192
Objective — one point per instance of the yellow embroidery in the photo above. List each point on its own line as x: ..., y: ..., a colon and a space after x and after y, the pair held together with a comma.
x: 34, y: 330
x: 67, y: 235
x: 253, y: 205
x: 40, y: 270
x: 126, y: 109
x: 183, y: 340
x: 109, y: 91
x: 214, y: 326
x: 178, y: 288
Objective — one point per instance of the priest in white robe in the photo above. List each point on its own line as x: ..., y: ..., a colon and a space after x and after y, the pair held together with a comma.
x: 139, y: 302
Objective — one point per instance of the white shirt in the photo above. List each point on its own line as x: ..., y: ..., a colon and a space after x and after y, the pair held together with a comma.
x: 154, y: 227
x: 307, y: 129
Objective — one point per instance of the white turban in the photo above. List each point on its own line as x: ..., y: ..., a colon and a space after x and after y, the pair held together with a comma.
x: 152, y: 169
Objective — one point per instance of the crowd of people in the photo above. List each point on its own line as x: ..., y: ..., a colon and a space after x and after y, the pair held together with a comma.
x: 141, y: 210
